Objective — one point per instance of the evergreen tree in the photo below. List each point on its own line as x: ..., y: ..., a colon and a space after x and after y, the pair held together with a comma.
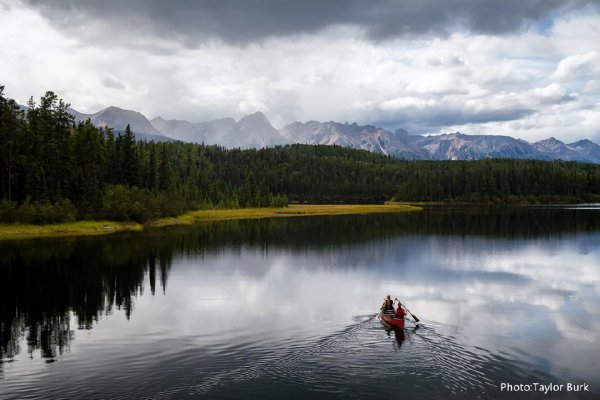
x: 128, y: 160
x: 10, y: 130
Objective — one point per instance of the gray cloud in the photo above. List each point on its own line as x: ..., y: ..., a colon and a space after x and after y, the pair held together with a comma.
x: 112, y: 82
x: 431, y: 119
x: 456, y: 117
x: 192, y: 23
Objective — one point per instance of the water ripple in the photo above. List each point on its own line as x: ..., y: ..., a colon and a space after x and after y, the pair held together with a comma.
x: 359, y: 360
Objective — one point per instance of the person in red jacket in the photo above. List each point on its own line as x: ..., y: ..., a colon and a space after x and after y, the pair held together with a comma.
x: 400, y: 312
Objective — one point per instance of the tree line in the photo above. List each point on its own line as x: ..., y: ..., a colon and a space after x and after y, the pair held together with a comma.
x: 500, y: 181
x: 52, y: 170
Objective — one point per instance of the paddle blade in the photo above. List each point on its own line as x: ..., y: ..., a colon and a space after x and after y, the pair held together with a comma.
x: 413, y: 315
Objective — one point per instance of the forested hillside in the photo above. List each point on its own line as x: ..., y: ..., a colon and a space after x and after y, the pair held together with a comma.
x: 500, y: 181
x: 52, y: 169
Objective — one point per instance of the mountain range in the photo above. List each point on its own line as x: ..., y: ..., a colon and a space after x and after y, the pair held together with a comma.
x: 255, y: 131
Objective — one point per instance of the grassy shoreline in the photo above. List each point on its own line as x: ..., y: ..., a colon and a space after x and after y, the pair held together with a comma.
x: 86, y: 228
x: 79, y: 228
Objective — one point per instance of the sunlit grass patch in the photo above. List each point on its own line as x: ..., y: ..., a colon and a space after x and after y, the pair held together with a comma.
x: 79, y: 228
x: 296, y: 210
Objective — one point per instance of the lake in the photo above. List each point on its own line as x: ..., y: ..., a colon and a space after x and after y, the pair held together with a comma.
x: 286, y: 308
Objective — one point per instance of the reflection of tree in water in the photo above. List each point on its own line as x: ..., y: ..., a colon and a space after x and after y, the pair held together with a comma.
x: 322, y: 232
x: 44, y: 284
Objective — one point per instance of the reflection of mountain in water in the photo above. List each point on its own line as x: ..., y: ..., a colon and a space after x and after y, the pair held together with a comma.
x: 44, y: 284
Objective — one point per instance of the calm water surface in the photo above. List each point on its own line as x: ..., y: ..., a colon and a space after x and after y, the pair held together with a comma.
x: 285, y: 308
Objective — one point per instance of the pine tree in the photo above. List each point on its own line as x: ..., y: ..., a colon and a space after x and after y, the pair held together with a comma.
x: 128, y: 158
x: 10, y: 128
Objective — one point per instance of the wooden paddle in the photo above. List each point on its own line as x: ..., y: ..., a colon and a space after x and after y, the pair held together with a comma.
x: 411, y: 314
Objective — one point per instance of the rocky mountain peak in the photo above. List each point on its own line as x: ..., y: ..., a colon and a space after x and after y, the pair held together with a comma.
x: 255, y: 131
x: 257, y: 118
x: 583, y: 143
x: 550, y: 144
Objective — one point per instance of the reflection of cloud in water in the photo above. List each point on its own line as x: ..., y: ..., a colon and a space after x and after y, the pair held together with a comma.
x: 443, y: 278
x: 535, y: 291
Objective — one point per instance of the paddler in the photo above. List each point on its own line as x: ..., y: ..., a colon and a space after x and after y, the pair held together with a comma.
x: 400, y: 312
x: 388, y: 305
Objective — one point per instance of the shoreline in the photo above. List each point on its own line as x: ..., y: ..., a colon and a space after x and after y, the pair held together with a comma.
x: 77, y: 228
x: 89, y: 228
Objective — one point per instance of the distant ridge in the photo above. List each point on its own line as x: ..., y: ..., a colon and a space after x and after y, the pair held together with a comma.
x: 458, y: 146
x: 255, y: 131
x: 252, y: 131
x: 118, y: 118
x: 583, y: 150
x: 366, y: 137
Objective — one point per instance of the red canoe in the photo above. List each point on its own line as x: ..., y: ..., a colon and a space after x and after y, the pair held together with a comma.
x: 392, y: 320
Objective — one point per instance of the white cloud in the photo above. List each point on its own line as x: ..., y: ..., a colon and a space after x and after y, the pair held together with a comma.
x: 436, y: 83
x: 551, y: 93
x: 578, y: 66
x: 575, y: 33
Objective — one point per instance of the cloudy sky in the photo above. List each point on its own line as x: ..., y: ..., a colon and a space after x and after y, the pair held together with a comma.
x: 525, y: 68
